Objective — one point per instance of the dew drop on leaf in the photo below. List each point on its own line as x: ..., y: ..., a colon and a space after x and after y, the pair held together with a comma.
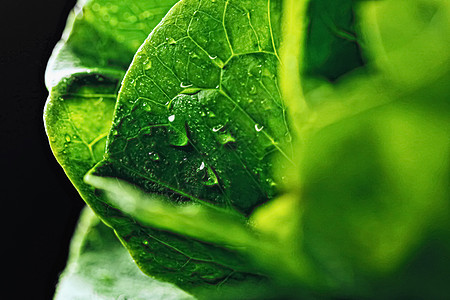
x: 146, y: 107
x: 171, y: 41
x: 154, y: 156
x: 217, y: 128
x: 147, y: 64
x: 210, y: 178
x: 182, y: 85
x: 226, y: 138
x: 258, y: 127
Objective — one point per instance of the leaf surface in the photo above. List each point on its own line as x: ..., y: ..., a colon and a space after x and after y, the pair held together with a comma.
x: 83, y: 77
x: 198, y: 119
x: 103, y: 36
x: 99, y: 267
x: 189, y: 122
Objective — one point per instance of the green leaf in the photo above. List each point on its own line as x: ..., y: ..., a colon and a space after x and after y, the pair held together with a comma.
x: 201, y: 137
x: 331, y: 47
x: 83, y: 76
x: 379, y: 181
x: 78, y: 116
x: 103, y: 36
x: 207, y: 224
x: 413, y: 50
x: 212, y: 144
x: 194, y: 220
x: 99, y: 267
x: 371, y: 203
x: 233, y: 123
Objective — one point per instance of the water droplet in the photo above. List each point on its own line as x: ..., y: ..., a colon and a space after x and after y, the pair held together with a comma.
x: 146, y: 107
x: 171, y: 118
x: 171, y: 41
x: 226, y: 138
x: 217, y: 127
x: 218, y: 61
x: 132, y: 18
x: 68, y: 139
x: 253, y: 90
x: 147, y: 64
x: 202, y: 166
x: 146, y: 14
x: 96, y: 7
x: 178, y: 136
x: 271, y: 182
x: 258, y: 127
x: 182, y: 85
x: 154, y: 156
x: 190, y: 90
x: 210, y: 178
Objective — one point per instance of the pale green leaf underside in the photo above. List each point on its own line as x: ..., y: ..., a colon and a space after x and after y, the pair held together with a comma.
x: 100, y: 267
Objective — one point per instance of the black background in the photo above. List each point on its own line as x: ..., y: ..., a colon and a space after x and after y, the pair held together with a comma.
x: 39, y: 206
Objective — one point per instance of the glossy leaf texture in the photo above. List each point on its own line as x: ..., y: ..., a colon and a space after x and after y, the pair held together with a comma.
x: 191, y: 125
x: 346, y: 205
x: 187, y: 111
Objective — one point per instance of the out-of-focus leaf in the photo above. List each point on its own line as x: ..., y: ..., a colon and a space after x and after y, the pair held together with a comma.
x: 331, y: 47
x: 374, y: 187
x: 372, y: 198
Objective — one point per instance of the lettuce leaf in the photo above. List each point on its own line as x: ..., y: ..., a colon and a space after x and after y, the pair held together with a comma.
x: 261, y: 149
